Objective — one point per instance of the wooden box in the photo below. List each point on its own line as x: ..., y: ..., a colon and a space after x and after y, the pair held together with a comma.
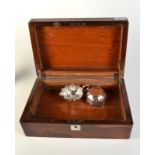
x: 83, y: 52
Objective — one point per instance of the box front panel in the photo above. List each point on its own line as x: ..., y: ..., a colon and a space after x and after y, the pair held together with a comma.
x: 77, y: 130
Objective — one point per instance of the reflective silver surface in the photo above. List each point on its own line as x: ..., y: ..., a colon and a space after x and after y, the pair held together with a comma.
x: 95, y: 96
x: 71, y: 92
x: 95, y: 99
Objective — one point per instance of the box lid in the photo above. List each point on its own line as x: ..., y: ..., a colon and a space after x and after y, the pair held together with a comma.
x: 79, y: 47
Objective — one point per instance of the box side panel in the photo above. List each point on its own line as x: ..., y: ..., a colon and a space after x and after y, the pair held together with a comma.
x: 126, y: 102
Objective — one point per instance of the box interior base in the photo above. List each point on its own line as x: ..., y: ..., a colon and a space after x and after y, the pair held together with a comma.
x: 48, y: 104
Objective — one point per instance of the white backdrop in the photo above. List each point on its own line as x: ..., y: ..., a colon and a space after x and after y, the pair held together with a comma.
x: 25, y: 73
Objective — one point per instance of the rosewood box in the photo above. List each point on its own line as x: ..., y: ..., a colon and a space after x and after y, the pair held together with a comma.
x: 84, y: 52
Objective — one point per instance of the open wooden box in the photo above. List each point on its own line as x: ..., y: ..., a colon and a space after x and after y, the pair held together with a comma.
x: 78, y: 51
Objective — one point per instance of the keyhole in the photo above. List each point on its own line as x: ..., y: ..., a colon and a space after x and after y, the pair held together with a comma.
x: 75, y: 127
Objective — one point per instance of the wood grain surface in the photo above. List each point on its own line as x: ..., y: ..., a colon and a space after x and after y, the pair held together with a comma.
x: 78, y: 51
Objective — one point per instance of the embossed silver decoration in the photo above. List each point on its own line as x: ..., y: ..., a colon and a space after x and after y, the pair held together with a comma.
x: 95, y: 96
x: 72, y: 92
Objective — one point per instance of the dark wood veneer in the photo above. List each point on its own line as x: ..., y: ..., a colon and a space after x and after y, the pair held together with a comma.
x: 79, y: 51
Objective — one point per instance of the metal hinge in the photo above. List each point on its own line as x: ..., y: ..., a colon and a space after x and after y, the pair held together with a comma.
x: 121, y: 75
x: 39, y: 74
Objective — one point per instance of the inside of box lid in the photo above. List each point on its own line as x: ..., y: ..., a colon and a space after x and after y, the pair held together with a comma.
x: 78, y: 48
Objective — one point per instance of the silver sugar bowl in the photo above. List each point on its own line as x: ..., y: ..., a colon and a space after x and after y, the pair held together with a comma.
x: 95, y: 96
